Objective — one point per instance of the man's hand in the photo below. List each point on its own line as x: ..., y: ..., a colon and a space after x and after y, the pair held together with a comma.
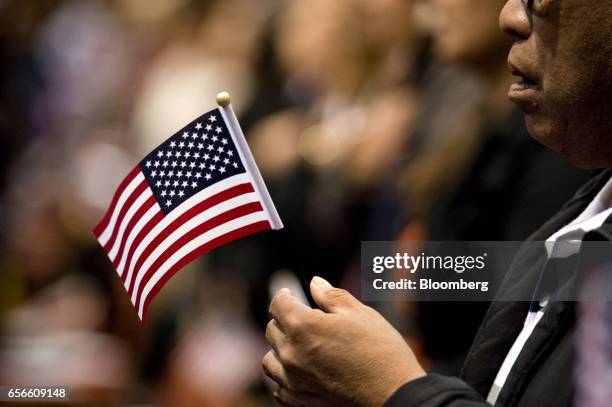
x: 345, y: 354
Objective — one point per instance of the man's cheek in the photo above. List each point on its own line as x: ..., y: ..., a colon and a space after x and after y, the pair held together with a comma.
x: 546, y: 122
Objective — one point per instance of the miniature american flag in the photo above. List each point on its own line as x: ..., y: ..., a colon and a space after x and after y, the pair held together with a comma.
x: 198, y: 190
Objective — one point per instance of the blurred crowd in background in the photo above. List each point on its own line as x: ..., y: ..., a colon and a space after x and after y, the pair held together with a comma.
x: 369, y: 120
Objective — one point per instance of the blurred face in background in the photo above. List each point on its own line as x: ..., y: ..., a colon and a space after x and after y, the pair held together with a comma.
x: 384, y: 21
x: 319, y: 41
x: 467, y: 31
x: 562, y: 56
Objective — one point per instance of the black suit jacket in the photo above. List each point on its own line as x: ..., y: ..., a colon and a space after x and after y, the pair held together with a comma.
x: 543, y: 373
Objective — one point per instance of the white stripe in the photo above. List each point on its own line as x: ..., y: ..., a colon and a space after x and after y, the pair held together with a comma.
x: 194, y: 244
x: 155, y: 209
x: 146, y: 194
x: 182, y: 208
x: 186, y: 228
x: 106, y: 234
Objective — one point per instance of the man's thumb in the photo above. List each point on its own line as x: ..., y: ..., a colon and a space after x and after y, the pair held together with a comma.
x: 329, y: 298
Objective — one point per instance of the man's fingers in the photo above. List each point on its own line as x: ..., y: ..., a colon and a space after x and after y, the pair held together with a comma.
x: 288, y: 310
x: 274, y: 335
x: 273, y: 368
x: 329, y: 298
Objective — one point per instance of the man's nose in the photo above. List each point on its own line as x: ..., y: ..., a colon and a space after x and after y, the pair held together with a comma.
x: 514, y: 20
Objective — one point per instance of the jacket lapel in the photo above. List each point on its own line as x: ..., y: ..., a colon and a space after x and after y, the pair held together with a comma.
x: 505, y: 319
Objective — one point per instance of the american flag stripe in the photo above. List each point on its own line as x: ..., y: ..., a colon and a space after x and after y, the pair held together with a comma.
x: 173, y: 252
x: 139, y: 216
x: 137, y: 200
x: 142, y: 216
x: 198, y: 215
x: 157, y: 231
x: 148, y: 225
x: 97, y: 231
x: 219, y: 236
x: 235, y: 234
x: 107, y: 230
x: 196, y: 191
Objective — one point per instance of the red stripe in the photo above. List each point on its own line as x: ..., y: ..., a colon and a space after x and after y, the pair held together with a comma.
x: 213, y: 244
x: 126, y: 233
x: 107, y: 216
x: 141, y: 235
x: 197, y: 209
x: 192, y: 234
x: 126, y: 207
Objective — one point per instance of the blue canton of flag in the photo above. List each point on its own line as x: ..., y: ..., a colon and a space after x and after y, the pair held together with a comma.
x: 196, y: 157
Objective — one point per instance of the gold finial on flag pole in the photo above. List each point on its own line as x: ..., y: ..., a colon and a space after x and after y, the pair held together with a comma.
x: 223, y: 99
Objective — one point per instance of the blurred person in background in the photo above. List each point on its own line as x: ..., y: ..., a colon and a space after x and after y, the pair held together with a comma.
x: 339, y: 120
x: 214, y: 45
x: 593, y: 373
x: 66, y: 325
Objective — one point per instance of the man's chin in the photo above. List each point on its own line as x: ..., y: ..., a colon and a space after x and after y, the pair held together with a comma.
x: 543, y: 131
x: 575, y: 146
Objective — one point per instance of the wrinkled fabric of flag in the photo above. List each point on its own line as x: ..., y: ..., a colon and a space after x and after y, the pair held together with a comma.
x: 193, y: 193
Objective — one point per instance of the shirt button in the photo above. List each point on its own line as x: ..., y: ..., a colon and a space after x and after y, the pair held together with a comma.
x: 544, y: 300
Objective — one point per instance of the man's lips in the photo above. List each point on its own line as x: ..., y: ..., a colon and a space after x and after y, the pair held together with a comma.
x: 525, y: 91
x: 522, y: 86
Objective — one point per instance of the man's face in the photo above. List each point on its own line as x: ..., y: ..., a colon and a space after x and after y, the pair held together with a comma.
x: 562, y: 54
